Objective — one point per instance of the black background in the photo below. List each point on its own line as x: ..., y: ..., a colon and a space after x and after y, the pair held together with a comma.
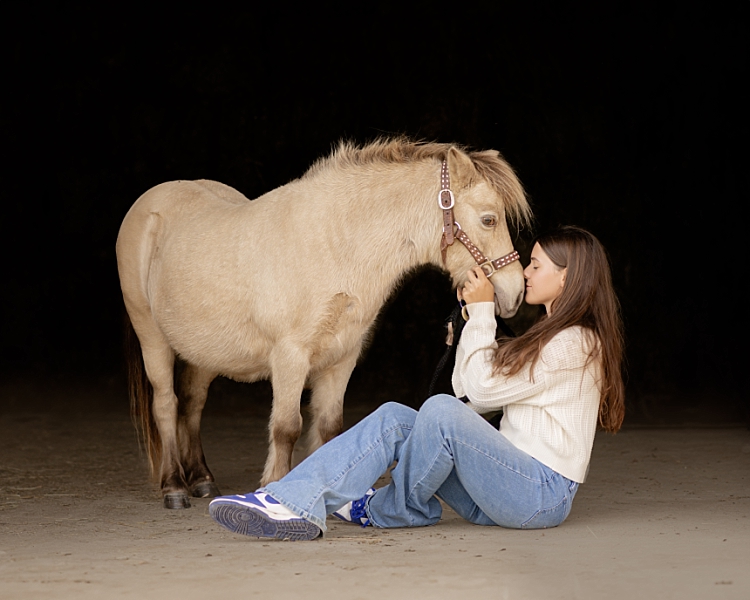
x: 626, y: 119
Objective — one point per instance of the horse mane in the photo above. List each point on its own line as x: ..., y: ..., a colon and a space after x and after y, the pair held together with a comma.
x: 490, y: 165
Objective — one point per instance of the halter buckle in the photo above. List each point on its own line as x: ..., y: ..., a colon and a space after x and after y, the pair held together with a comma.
x: 440, y: 199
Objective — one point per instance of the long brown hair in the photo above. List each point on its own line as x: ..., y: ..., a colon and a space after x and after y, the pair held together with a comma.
x: 588, y: 300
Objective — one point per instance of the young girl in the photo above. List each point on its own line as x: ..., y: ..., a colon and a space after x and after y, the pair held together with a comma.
x: 553, y: 383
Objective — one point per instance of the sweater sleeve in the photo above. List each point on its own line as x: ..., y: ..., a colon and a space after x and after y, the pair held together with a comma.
x: 473, y: 373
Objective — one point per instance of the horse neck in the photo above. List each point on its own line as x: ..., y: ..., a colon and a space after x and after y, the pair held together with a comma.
x: 384, y: 219
x: 392, y: 217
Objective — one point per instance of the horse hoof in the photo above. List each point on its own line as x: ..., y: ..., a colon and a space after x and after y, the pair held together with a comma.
x: 176, y: 500
x: 205, y: 489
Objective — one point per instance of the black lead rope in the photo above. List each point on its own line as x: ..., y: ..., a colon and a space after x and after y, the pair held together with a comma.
x: 455, y: 325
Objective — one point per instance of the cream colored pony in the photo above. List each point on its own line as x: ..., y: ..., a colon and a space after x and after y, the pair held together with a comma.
x: 288, y: 286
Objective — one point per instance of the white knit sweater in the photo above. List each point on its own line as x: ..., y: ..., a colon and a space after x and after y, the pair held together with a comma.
x: 550, y: 414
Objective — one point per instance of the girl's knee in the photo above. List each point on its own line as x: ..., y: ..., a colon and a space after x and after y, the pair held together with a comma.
x: 441, y: 406
x: 398, y: 413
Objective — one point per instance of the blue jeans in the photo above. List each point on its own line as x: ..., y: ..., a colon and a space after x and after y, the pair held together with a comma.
x: 444, y: 451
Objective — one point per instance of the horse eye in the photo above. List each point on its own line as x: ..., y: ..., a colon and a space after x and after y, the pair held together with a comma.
x: 489, y: 221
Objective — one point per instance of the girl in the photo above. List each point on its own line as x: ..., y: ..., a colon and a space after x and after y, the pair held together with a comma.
x: 553, y: 383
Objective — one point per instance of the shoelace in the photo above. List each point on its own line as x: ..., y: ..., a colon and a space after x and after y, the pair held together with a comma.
x: 358, y: 511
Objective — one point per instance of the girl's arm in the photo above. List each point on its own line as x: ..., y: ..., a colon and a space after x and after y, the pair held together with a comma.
x: 473, y: 372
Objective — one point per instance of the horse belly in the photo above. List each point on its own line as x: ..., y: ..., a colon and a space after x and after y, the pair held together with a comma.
x: 236, y: 351
x: 208, y: 323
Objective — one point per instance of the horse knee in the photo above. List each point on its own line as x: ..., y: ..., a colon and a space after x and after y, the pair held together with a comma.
x: 326, y: 428
x: 285, y: 431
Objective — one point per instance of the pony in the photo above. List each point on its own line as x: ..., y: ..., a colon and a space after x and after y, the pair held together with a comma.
x: 287, y: 287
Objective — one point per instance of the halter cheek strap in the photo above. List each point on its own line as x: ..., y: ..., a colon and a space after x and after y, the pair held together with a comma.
x: 446, y: 201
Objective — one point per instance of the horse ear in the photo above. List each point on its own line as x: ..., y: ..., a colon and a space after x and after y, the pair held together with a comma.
x: 461, y: 168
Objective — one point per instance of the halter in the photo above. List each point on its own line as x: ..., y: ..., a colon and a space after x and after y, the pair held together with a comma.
x: 446, y: 201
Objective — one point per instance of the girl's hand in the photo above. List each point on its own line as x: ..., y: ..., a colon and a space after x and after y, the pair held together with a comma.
x: 477, y: 287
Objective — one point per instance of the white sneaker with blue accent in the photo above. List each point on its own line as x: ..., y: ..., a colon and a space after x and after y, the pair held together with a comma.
x: 261, y: 515
x: 354, y: 512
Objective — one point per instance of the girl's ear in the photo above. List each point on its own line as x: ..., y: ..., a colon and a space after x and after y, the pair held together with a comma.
x: 564, y: 274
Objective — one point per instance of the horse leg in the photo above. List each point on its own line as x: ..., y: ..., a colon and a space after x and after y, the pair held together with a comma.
x: 327, y: 403
x: 158, y: 359
x: 193, y: 391
x: 289, y: 368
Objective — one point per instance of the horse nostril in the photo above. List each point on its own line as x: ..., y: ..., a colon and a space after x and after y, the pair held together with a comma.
x: 519, y: 299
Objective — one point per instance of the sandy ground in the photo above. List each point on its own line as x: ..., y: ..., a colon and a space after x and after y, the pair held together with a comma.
x: 665, y: 514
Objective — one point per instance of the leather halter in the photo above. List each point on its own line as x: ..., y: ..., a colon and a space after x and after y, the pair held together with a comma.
x: 446, y: 201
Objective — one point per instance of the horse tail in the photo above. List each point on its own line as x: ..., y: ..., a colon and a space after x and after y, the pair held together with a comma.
x: 141, y: 397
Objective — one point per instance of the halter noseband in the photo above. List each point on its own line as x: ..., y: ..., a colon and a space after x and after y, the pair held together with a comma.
x: 446, y: 201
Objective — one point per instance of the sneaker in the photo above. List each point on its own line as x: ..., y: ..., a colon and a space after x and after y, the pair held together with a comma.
x: 260, y: 515
x: 354, y: 512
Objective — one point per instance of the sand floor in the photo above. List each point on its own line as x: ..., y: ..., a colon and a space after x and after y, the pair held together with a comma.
x: 665, y: 514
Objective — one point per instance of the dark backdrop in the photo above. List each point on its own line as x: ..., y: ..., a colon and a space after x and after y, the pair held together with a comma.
x: 624, y: 119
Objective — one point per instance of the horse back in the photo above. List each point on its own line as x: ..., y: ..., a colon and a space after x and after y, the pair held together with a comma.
x: 174, y: 197
x: 221, y: 191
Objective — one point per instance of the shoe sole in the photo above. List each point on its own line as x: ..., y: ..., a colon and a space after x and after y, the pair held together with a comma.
x: 245, y: 520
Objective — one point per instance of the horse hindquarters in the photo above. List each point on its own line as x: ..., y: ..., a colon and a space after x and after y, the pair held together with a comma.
x: 155, y: 406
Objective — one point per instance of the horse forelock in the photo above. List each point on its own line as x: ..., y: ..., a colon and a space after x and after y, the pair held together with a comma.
x: 501, y: 176
x: 490, y: 166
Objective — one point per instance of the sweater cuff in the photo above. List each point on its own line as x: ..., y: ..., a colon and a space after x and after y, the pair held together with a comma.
x: 481, y: 310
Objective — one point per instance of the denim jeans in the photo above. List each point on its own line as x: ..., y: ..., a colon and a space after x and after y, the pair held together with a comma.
x: 444, y: 451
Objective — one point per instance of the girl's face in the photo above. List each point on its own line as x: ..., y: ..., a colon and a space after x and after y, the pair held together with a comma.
x: 544, y: 279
